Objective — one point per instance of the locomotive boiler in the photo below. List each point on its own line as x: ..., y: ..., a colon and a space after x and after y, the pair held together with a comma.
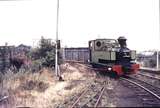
x: 113, y: 56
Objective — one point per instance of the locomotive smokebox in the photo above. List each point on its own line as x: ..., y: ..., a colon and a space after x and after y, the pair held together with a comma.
x: 122, y: 42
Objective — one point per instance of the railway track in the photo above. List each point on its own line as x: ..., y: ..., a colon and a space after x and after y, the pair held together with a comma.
x: 150, y: 94
x: 151, y: 71
x: 91, y: 96
x: 147, y: 78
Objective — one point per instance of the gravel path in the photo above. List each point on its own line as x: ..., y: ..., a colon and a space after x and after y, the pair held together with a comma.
x: 126, y: 97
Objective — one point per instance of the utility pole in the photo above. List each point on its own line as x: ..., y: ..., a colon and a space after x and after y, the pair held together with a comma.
x: 57, y: 68
x: 56, y: 57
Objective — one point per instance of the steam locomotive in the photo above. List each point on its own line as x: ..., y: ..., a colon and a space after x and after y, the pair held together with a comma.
x: 112, y: 56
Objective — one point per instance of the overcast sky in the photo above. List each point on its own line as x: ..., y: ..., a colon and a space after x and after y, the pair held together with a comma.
x: 81, y: 20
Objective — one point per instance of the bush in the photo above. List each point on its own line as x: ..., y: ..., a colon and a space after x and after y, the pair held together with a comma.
x: 45, y: 53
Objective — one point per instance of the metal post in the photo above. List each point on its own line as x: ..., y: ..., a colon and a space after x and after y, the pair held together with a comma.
x: 57, y: 68
x: 56, y: 57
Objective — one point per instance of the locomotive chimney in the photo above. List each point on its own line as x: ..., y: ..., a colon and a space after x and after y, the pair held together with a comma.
x: 122, y: 42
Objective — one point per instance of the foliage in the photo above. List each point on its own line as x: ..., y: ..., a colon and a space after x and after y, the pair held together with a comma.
x: 45, y: 53
x: 46, y: 46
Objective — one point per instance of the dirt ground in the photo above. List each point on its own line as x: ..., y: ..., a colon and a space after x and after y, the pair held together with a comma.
x: 43, y: 90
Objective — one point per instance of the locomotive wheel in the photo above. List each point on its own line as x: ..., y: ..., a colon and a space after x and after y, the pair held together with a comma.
x: 114, y: 75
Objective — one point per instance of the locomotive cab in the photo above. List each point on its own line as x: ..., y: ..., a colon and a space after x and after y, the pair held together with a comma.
x: 112, y: 55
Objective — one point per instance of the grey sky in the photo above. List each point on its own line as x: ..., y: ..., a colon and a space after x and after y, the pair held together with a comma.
x: 81, y: 20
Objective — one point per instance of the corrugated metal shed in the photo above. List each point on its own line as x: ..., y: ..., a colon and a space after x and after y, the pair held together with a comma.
x: 77, y: 54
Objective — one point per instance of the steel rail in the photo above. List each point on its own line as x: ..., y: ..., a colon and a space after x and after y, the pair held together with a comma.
x: 79, y: 98
x: 154, y: 94
x: 148, y: 76
x: 147, y: 82
x: 84, y: 92
x: 98, y: 100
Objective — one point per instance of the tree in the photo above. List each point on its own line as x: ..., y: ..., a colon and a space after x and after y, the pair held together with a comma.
x: 45, y: 53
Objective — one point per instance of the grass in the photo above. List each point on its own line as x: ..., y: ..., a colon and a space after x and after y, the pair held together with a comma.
x: 42, y: 89
x: 21, y: 86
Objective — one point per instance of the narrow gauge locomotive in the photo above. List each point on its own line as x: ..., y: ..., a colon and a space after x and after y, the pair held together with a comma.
x: 110, y: 55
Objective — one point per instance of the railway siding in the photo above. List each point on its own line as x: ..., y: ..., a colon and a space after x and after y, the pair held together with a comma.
x: 149, y: 94
x: 156, y: 71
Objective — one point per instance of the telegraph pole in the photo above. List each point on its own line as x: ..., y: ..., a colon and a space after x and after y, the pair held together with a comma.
x: 56, y: 57
x: 57, y: 68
